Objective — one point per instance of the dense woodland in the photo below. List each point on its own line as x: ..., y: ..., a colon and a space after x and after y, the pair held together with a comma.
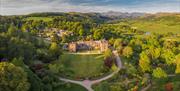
x: 149, y: 57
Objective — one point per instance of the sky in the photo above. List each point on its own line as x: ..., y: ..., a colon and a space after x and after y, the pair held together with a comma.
x: 17, y: 7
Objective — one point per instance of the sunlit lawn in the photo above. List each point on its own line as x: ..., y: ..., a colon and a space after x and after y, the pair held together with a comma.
x: 78, y: 66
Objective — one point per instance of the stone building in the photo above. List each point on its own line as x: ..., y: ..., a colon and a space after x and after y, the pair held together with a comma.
x: 72, y: 47
x: 88, y: 45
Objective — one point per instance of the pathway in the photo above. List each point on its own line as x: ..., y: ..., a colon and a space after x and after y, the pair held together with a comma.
x: 88, y: 83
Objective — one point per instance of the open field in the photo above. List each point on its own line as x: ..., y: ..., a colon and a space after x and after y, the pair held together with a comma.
x: 158, y: 23
x: 78, y: 66
x: 157, y: 27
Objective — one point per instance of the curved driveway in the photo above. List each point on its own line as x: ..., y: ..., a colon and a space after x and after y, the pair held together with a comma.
x: 88, y: 83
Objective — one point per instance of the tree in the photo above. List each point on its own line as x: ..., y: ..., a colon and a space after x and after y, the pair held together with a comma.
x: 154, y: 53
x: 18, y: 47
x: 98, y: 34
x: 108, y: 53
x: 108, y: 58
x: 54, y: 50
x: 169, y: 44
x: 131, y: 69
x: 12, y: 30
x: 159, y: 73
x: 81, y: 32
x: 127, y: 51
x: 3, y: 45
x: 55, y: 68
x: 65, y: 38
x: 13, y: 78
x: 108, y: 62
x: 169, y: 87
x: 25, y: 28
x: 54, y: 47
x: 36, y: 84
x: 177, y: 62
x: 144, y: 62
x: 18, y: 62
x: 117, y: 43
x: 55, y: 38
x: 168, y: 56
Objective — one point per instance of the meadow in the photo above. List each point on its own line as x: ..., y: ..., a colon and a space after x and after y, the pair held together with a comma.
x: 156, y: 27
x: 158, y: 23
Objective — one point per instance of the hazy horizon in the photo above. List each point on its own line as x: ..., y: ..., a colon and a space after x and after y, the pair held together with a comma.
x: 23, y: 7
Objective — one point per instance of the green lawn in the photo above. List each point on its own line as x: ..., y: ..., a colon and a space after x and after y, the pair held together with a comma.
x: 70, y: 87
x: 82, y: 66
x: 46, y: 19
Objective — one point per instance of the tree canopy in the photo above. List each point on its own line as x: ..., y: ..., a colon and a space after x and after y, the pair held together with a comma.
x: 13, y: 78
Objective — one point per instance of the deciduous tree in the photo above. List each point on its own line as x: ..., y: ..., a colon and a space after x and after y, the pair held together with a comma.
x: 159, y: 73
x: 144, y: 62
x: 117, y: 43
x: 177, y: 62
x: 127, y: 51
x: 13, y: 78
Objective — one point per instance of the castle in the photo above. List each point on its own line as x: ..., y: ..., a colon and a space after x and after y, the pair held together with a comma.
x: 101, y: 45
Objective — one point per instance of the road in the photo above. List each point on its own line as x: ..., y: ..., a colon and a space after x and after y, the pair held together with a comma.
x: 88, y: 83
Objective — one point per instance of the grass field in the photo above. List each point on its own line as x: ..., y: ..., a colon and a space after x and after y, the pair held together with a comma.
x: 46, y: 19
x: 70, y: 87
x: 82, y: 66
x: 156, y: 27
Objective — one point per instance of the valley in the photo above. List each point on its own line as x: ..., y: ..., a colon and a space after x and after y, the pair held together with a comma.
x: 72, y: 51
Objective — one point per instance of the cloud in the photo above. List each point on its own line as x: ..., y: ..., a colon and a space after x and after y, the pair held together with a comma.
x: 11, y: 7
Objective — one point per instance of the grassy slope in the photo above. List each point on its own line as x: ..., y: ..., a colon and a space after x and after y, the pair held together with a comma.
x: 158, y: 23
x: 156, y: 27
x: 82, y: 65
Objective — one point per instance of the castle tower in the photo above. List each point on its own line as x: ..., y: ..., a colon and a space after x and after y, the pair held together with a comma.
x: 72, y: 47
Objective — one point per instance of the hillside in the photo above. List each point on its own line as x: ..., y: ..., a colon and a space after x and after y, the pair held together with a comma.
x: 87, y: 51
x: 157, y: 23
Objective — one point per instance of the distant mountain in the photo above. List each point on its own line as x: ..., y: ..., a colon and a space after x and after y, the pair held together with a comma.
x: 161, y: 15
x: 111, y: 15
x: 114, y: 14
